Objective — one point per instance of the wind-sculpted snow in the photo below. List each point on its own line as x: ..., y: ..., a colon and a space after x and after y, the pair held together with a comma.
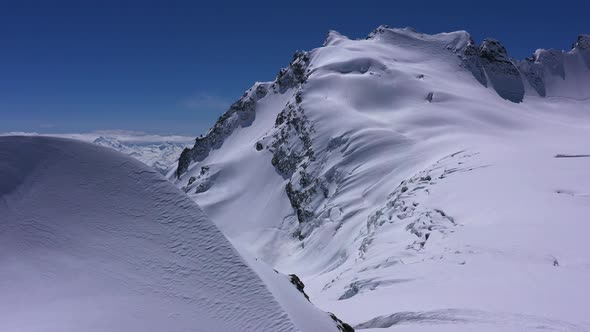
x: 92, y: 240
x: 405, y: 174
x: 448, y: 319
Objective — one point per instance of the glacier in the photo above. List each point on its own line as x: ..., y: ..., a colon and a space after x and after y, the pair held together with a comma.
x: 413, y: 181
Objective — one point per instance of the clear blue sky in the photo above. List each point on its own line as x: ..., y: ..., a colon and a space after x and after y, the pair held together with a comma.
x: 174, y: 66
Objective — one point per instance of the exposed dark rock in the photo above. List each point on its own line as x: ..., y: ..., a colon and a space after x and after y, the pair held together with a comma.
x: 292, y: 153
x: 352, y: 290
x: 533, y: 72
x: 295, y: 280
x: 429, y: 97
x: 380, y: 30
x: 191, y: 180
x: 489, y: 63
x: 342, y: 326
x: 552, y: 60
x: 583, y: 42
x: 501, y: 71
x: 184, y: 161
x: 202, y: 182
x: 583, y: 46
x: 299, y: 201
x: 294, y: 74
x: 472, y: 62
x: 203, y: 186
x: 243, y: 112
x: 299, y: 284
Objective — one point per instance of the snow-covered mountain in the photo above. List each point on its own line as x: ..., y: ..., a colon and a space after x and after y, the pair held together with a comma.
x: 161, y: 156
x: 93, y: 240
x: 413, y: 180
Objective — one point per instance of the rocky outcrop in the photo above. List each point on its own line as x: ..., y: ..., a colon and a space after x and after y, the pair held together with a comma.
x: 201, y: 182
x: 298, y: 284
x: 582, y: 45
x: 294, y: 74
x: 292, y: 153
x: 501, y: 71
x: 533, y: 73
x: 342, y: 326
x: 489, y: 63
x: 472, y: 62
x: 243, y: 112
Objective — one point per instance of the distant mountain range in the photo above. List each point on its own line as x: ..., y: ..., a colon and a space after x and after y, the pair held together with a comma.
x: 161, y: 156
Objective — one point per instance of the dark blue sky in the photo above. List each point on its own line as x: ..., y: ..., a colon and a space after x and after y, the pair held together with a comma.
x: 174, y: 66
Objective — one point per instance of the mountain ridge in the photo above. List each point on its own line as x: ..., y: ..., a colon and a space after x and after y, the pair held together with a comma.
x: 383, y: 168
x: 488, y: 62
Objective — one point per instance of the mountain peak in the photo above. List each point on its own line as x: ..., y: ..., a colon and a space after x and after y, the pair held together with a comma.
x: 333, y: 38
x: 453, y: 41
x: 582, y: 43
x: 493, y: 50
x: 488, y: 62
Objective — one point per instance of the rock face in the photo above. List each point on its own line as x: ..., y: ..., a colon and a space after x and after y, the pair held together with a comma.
x: 489, y: 63
x: 582, y: 43
x: 292, y: 153
x: 582, y: 46
x: 243, y: 112
x: 294, y: 74
x: 501, y: 71
x: 533, y: 72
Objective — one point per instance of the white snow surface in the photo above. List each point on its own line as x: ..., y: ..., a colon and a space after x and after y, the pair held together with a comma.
x: 93, y: 240
x: 446, y: 208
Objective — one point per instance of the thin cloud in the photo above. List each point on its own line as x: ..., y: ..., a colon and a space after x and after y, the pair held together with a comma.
x: 124, y: 136
x: 205, y: 101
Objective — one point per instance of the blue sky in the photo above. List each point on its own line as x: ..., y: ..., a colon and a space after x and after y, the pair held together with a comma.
x: 174, y: 66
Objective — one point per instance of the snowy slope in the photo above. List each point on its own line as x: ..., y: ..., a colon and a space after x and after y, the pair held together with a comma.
x: 411, y: 180
x: 92, y: 240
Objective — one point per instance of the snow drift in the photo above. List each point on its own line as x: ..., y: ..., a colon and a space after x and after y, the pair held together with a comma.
x: 92, y: 240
